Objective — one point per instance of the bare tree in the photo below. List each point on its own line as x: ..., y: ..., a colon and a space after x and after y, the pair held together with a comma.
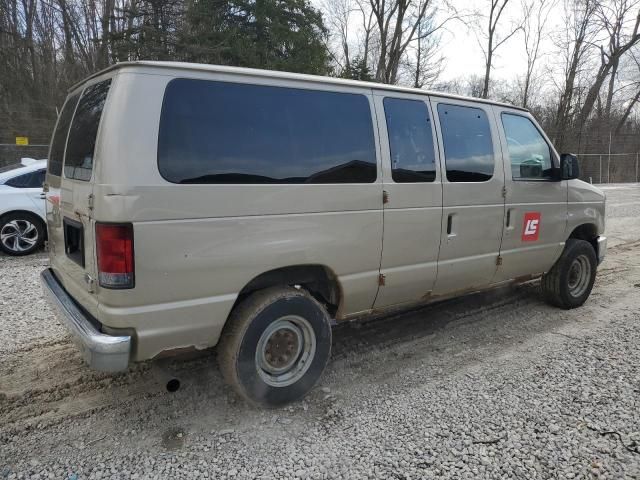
x: 427, y: 63
x: 490, y: 41
x: 338, y: 16
x: 634, y: 101
x: 397, y: 23
x: 367, y: 25
x: 574, y: 45
x: 535, y: 17
x: 621, y: 21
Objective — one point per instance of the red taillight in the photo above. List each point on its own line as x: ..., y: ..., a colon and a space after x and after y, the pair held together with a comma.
x: 114, y: 248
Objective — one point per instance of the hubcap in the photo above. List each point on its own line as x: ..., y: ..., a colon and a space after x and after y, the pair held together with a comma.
x: 579, y: 275
x: 19, y: 235
x: 285, y: 351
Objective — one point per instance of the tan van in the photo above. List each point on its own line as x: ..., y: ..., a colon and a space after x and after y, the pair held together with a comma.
x: 194, y: 205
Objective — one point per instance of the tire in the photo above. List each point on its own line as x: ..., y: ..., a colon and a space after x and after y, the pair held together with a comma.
x: 21, y: 233
x: 252, y: 353
x: 569, y: 282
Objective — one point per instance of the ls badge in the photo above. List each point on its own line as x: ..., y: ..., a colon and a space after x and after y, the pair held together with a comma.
x: 531, y: 226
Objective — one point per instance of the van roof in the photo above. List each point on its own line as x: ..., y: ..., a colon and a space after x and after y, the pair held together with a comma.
x: 202, y: 67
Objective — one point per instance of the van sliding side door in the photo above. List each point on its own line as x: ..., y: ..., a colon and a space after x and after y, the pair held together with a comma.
x: 473, y: 202
x: 413, y: 197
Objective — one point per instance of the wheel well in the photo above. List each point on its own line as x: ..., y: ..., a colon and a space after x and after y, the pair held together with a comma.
x: 320, y: 281
x: 588, y: 232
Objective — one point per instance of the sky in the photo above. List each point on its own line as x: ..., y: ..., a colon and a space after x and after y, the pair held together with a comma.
x: 459, y: 46
x: 463, y: 55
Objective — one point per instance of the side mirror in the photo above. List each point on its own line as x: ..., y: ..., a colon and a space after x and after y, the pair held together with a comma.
x: 569, y: 166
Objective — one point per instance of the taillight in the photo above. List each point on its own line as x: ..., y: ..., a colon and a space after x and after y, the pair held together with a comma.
x: 114, y: 248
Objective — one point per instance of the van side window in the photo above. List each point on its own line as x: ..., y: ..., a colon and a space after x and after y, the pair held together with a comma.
x: 468, y: 148
x: 60, y: 136
x: 529, y: 153
x: 78, y: 162
x: 410, y: 140
x: 221, y: 132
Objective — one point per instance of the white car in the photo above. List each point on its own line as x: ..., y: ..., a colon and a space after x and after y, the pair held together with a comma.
x: 22, y: 215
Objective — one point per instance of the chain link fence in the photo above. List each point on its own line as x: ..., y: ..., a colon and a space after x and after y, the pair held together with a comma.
x: 609, y: 167
x: 11, y: 153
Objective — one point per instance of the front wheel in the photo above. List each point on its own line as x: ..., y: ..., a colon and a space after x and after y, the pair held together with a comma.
x: 275, y: 346
x: 569, y: 283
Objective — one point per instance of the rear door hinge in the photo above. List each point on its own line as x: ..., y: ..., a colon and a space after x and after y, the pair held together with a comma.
x: 385, y: 197
x: 90, y: 283
x: 504, y: 192
x: 499, y: 260
x: 90, y: 201
x: 382, y: 280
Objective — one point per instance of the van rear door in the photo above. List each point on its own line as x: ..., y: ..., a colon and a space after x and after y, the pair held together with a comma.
x: 70, y: 197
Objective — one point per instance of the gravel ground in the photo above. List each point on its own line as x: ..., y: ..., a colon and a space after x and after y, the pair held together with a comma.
x: 495, y: 385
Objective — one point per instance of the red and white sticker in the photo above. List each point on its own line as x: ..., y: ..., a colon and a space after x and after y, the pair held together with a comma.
x: 531, y: 226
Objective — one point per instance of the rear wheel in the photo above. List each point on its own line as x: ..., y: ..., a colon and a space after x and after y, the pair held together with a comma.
x: 569, y: 283
x: 275, y: 346
x: 21, y: 233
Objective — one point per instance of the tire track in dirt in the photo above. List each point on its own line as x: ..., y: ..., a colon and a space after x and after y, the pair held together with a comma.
x: 46, y: 382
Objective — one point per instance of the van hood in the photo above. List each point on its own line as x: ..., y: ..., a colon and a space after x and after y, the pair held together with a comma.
x: 586, y: 192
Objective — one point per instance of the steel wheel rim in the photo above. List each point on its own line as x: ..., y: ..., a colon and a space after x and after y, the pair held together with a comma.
x: 579, y: 275
x: 285, y: 351
x: 19, y: 235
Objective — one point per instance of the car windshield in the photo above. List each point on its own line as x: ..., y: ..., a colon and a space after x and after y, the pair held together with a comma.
x: 8, y: 168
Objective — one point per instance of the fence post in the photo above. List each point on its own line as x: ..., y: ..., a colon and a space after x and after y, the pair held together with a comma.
x: 608, y: 170
x: 600, y: 166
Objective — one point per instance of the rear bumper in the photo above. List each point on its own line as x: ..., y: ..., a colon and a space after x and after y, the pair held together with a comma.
x: 106, y: 353
x: 602, y: 248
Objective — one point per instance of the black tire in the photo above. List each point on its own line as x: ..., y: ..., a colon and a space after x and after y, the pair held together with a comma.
x: 560, y: 285
x: 249, y: 338
x: 21, y: 222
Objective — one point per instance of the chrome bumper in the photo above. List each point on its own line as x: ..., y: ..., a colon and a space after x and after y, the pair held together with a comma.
x: 602, y: 248
x: 106, y: 353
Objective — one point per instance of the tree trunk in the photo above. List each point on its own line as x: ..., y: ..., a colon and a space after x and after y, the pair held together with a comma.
x: 612, y: 81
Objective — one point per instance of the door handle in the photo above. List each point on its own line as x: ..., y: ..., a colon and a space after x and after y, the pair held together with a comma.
x: 43, y: 196
x: 509, y: 219
x: 450, y: 232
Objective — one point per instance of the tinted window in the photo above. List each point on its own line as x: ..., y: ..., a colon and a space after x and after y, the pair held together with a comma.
x: 216, y: 132
x: 39, y: 178
x: 27, y: 180
x: 78, y: 161
x: 468, y: 149
x: 528, y: 151
x: 60, y: 136
x: 410, y: 140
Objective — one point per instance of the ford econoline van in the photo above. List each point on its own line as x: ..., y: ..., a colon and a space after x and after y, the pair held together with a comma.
x: 190, y: 206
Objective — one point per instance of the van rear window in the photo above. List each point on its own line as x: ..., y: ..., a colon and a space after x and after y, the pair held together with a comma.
x: 60, y: 136
x: 220, y: 132
x: 78, y: 162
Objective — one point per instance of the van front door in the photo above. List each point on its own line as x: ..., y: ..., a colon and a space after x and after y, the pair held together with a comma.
x: 536, y: 203
x: 473, y: 202
x: 413, y: 196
